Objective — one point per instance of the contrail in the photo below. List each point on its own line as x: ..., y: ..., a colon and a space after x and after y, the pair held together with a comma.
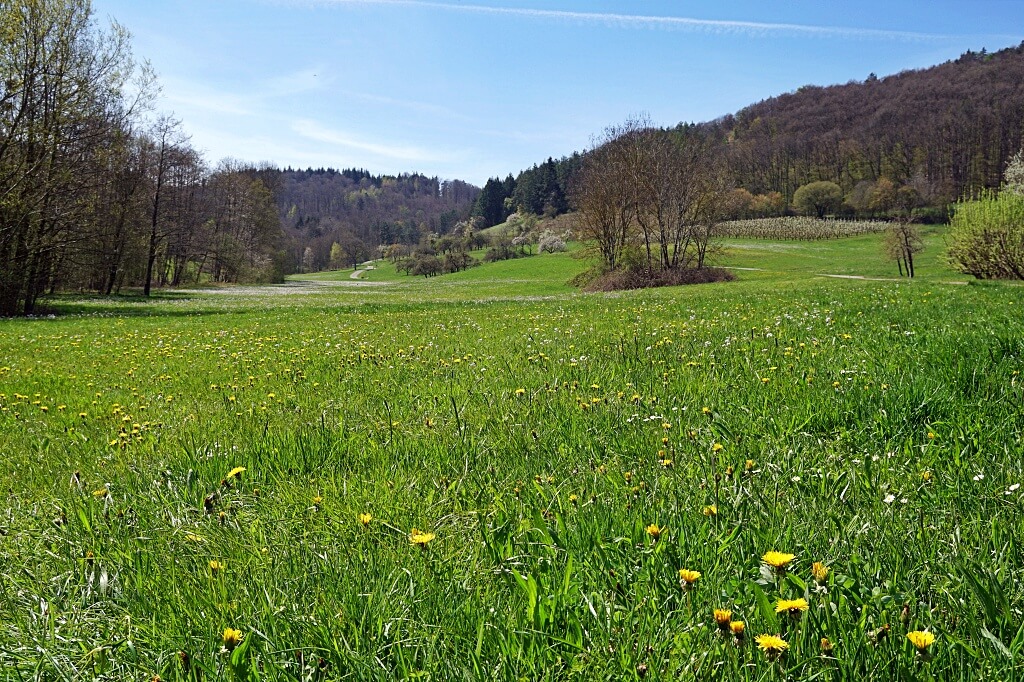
x: 651, y: 22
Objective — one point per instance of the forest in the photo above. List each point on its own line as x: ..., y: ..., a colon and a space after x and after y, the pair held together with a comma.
x: 100, y: 192
x: 358, y: 212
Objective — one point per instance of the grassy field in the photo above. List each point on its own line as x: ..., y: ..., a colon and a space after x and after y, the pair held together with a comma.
x: 489, y: 475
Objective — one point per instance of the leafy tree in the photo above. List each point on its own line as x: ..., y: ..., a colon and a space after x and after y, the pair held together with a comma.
x: 63, y: 100
x: 456, y: 261
x: 818, y: 198
x: 337, y: 256
x: 769, y: 205
x: 428, y: 266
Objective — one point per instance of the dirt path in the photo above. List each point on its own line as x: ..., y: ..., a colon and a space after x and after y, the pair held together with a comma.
x: 860, y: 277
x: 872, y: 279
x: 363, y: 267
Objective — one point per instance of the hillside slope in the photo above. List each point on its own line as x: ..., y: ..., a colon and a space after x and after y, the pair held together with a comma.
x: 952, y: 126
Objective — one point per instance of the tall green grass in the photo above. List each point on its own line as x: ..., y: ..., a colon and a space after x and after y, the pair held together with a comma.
x: 537, y: 433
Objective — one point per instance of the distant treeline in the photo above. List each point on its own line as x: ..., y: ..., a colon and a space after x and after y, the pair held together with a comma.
x: 945, y: 132
x: 359, y: 211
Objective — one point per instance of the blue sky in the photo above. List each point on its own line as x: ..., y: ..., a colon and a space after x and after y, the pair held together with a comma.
x: 471, y: 90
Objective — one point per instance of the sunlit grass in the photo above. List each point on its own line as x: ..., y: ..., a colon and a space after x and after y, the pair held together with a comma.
x: 243, y: 483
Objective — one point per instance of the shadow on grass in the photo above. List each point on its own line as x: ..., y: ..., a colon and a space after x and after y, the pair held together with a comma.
x: 131, y: 304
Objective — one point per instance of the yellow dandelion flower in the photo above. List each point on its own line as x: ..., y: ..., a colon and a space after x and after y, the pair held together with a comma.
x: 520, y: 391
x: 778, y: 560
x: 710, y: 510
x: 738, y: 628
x: 749, y: 465
x: 921, y: 639
x: 820, y: 572
x: 317, y: 500
x: 365, y: 519
x: 688, y: 578
x: 794, y: 607
x: 216, y: 566
x: 772, y: 645
x: 655, y: 531
x: 418, y: 537
x: 231, y: 638
x: 101, y: 493
x: 826, y: 646
x: 235, y: 473
x: 722, y: 618
x: 717, y: 447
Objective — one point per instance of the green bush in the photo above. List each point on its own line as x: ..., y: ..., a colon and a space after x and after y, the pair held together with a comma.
x: 987, y: 237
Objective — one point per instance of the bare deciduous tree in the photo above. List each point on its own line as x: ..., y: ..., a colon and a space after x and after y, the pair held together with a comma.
x: 661, y: 191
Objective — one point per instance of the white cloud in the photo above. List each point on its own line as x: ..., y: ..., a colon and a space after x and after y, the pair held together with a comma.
x: 311, y: 130
x: 411, y: 105
x: 196, y: 96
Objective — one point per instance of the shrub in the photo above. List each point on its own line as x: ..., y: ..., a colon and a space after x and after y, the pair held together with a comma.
x: 987, y: 237
x: 617, y: 280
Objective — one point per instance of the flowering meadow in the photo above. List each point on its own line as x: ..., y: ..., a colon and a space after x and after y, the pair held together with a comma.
x: 490, y: 476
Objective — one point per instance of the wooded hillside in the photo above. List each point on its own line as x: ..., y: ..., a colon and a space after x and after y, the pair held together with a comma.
x: 360, y: 211
x: 955, y: 125
x: 946, y: 131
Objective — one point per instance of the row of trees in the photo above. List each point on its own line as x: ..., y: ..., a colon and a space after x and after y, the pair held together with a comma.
x: 95, y: 195
x: 542, y: 190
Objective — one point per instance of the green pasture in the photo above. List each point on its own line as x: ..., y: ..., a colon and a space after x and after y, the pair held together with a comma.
x: 851, y: 256
x: 185, y: 476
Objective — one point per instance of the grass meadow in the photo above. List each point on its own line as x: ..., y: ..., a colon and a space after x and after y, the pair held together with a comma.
x: 489, y: 475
